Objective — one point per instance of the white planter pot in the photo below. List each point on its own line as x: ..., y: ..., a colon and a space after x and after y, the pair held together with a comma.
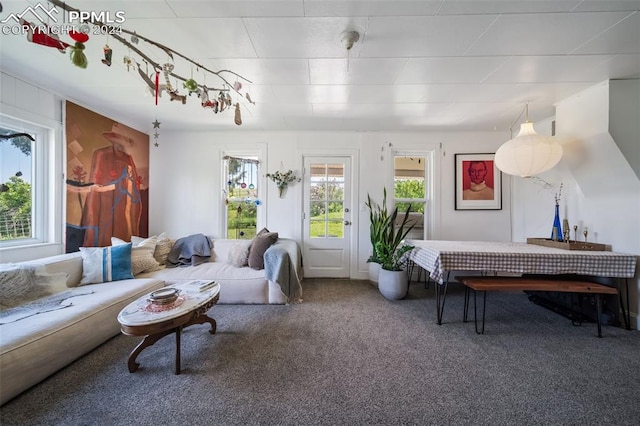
x: 393, y: 285
x: 374, y: 270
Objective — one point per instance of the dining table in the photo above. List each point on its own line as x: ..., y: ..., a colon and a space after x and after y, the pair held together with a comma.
x: 441, y: 257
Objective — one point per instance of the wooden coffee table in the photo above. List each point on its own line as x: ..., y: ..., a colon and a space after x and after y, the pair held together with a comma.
x: 144, y: 318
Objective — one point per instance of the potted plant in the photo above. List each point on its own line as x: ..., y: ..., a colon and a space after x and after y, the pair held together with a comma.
x: 378, y: 218
x: 392, y: 252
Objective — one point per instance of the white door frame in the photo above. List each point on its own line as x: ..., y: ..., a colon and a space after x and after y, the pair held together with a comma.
x: 353, y: 154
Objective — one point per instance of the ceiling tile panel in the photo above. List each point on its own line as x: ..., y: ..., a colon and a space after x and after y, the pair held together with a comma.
x: 449, y: 70
x: 205, y: 38
x: 607, y: 5
x: 547, y: 69
x: 475, y: 7
x: 386, y: 94
x: 302, y: 37
x: 370, y: 8
x: 412, y: 37
x: 234, y: 8
x: 624, y: 37
x: 355, y: 71
x: 264, y: 71
x: 542, y: 34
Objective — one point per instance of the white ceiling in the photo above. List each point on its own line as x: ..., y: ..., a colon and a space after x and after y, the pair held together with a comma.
x: 419, y: 65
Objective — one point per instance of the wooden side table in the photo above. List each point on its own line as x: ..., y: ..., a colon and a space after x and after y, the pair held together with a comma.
x: 144, y: 318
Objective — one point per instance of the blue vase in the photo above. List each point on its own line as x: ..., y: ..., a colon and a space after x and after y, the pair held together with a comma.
x: 556, y: 231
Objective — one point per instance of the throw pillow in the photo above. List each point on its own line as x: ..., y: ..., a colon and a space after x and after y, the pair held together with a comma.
x: 163, y: 247
x: 262, y: 232
x: 104, y: 264
x: 148, y: 243
x: 21, y: 284
x: 142, y: 249
x: 239, y: 253
x: 259, y: 245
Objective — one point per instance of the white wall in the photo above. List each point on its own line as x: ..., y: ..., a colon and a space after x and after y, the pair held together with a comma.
x: 601, y: 191
x: 185, y: 181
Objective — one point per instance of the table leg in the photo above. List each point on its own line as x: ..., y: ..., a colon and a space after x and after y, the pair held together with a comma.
x: 146, y: 342
x: 201, y: 319
x: 178, y: 333
x: 441, y: 296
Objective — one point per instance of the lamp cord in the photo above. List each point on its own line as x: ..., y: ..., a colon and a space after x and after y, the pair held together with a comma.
x: 526, y: 108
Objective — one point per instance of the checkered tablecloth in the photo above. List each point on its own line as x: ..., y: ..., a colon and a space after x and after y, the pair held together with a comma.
x: 438, y: 257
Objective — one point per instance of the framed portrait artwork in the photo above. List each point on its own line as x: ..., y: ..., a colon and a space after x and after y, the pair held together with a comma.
x: 478, y: 182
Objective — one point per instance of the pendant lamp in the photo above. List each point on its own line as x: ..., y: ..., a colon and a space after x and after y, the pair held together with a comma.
x: 529, y: 153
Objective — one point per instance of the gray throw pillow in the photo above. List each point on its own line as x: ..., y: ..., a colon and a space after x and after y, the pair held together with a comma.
x: 258, y: 247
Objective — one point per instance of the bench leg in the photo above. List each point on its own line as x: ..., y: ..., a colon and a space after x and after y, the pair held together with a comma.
x: 465, y: 308
x: 475, y: 311
x: 599, y: 305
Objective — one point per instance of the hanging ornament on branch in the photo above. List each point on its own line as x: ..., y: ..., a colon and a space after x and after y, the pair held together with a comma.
x: 42, y: 35
x: 78, y: 57
x: 108, y: 52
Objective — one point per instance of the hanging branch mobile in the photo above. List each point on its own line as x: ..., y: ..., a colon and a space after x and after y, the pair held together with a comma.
x: 78, y: 57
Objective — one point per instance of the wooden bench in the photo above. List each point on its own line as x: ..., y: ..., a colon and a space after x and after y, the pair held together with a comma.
x: 484, y: 284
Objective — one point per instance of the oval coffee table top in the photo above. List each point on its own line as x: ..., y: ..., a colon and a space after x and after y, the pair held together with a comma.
x: 193, y: 294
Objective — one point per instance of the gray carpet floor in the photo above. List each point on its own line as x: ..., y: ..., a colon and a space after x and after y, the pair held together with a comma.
x: 348, y: 356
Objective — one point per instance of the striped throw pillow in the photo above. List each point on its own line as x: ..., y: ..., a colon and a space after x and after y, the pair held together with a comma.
x: 104, y: 264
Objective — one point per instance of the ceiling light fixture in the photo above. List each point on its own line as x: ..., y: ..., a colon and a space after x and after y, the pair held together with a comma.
x: 529, y: 153
x: 348, y: 39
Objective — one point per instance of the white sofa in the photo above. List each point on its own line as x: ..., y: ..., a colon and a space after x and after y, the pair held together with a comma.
x: 37, y: 346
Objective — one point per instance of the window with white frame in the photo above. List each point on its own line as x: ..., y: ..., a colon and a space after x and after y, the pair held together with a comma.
x: 25, y: 205
x: 242, y: 189
x: 411, y: 189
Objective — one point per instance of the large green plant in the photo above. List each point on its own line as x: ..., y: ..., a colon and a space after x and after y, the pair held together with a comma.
x: 391, y: 249
x: 379, y: 219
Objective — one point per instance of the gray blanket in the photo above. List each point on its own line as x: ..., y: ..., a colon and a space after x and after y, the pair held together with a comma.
x: 190, y: 251
x: 283, y: 265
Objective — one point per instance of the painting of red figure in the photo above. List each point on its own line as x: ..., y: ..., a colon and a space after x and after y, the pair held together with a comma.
x: 477, y: 180
x: 107, y: 180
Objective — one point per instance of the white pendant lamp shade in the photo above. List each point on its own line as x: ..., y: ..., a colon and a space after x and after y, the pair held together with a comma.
x: 528, y: 154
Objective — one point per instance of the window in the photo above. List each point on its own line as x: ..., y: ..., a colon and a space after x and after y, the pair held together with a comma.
x: 326, y: 207
x: 241, y: 178
x: 24, y: 168
x: 410, y: 189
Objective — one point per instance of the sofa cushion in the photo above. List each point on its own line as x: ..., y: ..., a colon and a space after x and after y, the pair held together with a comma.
x: 142, y: 249
x: 239, y: 253
x: 104, y: 264
x: 163, y: 247
x: 259, y: 245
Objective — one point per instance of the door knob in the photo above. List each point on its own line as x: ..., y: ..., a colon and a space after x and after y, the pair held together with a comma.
x: 346, y: 222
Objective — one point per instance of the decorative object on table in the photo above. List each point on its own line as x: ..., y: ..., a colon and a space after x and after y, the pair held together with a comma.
x: 569, y: 245
x: 528, y: 154
x: 164, y: 296
x: 585, y: 232
x: 378, y: 222
x: 392, y: 251
x: 556, y: 230
x: 477, y: 182
x: 575, y: 231
x: 283, y: 180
